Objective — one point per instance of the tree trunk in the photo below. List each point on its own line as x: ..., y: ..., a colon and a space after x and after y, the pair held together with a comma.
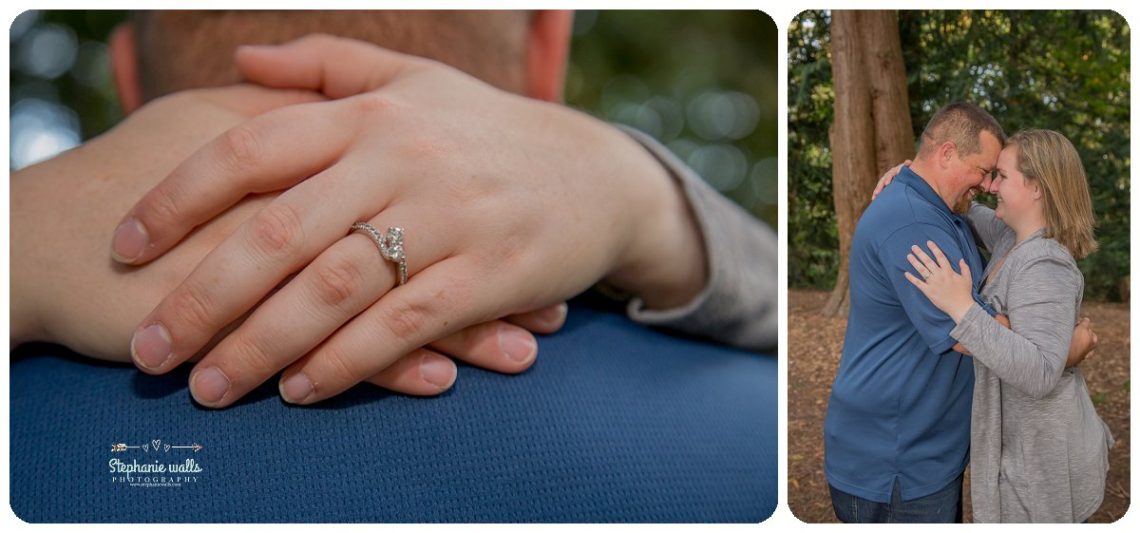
x: 894, y: 134
x: 872, y: 129
x: 852, y: 140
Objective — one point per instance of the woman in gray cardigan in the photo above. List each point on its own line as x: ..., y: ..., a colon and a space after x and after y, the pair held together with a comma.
x: 1039, y: 452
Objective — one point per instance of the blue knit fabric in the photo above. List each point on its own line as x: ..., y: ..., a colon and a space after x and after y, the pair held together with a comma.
x: 615, y: 422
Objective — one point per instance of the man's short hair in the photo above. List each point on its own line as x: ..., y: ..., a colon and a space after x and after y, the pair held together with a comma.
x: 180, y: 50
x: 961, y: 123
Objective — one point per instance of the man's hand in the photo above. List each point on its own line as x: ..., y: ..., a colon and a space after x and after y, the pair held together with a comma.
x: 65, y: 288
x: 508, y: 205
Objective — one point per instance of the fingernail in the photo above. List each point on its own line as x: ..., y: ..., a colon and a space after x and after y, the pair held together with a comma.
x: 131, y: 239
x: 296, y: 388
x: 209, y: 386
x: 555, y: 315
x: 437, y: 371
x: 150, y: 348
x: 518, y: 345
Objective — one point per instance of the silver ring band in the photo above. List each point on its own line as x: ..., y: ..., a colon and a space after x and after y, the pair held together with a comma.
x: 391, y: 246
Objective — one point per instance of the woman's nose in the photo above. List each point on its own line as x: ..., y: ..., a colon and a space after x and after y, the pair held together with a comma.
x: 994, y: 185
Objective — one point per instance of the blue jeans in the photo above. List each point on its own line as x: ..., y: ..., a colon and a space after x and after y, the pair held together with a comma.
x: 942, y: 506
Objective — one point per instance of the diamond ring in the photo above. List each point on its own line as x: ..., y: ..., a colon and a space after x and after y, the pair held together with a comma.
x: 391, y: 246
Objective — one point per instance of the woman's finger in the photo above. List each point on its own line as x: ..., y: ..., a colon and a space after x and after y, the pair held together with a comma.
x: 342, y: 281
x: 964, y: 268
x: 420, y: 373
x: 435, y: 303
x: 335, y: 66
x: 887, y: 178
x: 918, y: 266
x: 233, y: 278
x: 929, y: 263
x: 266, y: 153
x: 940, y: 257
x: 915, y: 281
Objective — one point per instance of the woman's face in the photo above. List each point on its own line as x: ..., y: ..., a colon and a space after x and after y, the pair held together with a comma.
x: 1017, y: 197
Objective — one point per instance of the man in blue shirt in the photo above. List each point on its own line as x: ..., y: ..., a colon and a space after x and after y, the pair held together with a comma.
x: 897, y: 432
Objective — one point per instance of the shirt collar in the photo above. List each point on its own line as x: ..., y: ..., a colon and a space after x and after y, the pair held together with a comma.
x: 907, y: 176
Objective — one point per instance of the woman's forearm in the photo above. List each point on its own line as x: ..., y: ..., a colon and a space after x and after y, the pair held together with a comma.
x: 1032, y: 369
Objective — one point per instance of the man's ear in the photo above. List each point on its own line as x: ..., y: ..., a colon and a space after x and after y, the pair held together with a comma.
x: 125, y: 67
x: 548, y: 48
x: 946, y: 153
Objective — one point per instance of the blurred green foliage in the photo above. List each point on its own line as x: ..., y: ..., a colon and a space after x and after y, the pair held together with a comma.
x: 1061, y: 70
x: 83, y: 83
x: 702, y: 82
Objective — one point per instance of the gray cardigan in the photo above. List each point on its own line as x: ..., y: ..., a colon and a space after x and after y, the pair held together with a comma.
x: 739, y: 303
x: 1038, y: 450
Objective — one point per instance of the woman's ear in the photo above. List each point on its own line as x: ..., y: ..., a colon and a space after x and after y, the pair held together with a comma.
x: 548, y: 49
x: 125, y: 67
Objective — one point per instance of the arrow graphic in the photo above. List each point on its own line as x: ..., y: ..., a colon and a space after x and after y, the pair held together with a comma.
x: 122, y: 447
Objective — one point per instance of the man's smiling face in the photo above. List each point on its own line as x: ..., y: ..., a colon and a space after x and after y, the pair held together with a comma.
x: 976, y: 171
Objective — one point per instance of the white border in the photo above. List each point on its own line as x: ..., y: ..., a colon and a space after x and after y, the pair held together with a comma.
x: 782, y: 13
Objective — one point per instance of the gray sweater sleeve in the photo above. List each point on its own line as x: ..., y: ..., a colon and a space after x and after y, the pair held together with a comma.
x: 987, y: 225
x: 738, y: 305
x: 1043, y: 296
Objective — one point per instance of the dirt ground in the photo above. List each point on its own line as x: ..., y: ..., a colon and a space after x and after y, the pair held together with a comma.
x: 814, y: 345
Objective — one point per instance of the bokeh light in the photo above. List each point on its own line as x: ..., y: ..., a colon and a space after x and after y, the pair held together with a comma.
x: 701, y: 82
x: 60, y: 82
x: 41, y: 130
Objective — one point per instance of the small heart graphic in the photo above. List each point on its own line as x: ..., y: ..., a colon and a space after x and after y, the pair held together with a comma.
x: 166, y: 448
x: 145, y: 446
x: 154, y: 444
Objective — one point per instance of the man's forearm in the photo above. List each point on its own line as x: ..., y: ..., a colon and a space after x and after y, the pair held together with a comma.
x: 22, y: 314
x: 22, y: 326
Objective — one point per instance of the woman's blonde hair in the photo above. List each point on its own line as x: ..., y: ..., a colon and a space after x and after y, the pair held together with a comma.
x: 1049, y: 160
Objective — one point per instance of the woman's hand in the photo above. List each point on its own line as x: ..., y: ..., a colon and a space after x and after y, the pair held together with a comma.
x: 950, y: 291
x: 509, y: 205
x: 67, y: 291
x: 1083, y: 344
x: 887, y: 178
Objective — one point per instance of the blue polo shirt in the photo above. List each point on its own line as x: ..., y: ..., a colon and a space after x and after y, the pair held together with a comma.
x: 900, y: 404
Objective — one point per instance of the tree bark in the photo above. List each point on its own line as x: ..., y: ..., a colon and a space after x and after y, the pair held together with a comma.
x: 852, y: 141
x: 894, y: 133
x: 872, y: 129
